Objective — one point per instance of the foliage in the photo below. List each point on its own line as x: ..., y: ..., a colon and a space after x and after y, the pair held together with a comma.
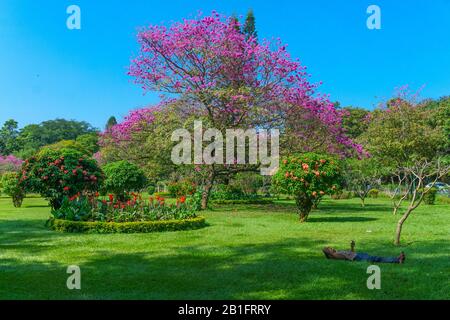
x: 11, y: 187
x: 227, y: 192
x: 373, y: 193
x: 151, y: 189
x: 112, y: 121
x: 182, y: 188
x: 405, y: 136
x: 8, y: 137
x: 122, y: 177
x: 89, y: 142
x: 235, y: 81
x: 248, y: 182
x: 355, y: 121
x: 401, y: 133
x: 362, y: 175
x: 126, y: 227
x: 308, y: 177
x: 144, y: 138
x: 56, y: 174
x: 115, y: 210
x: 249, y: 27
x: 429, y: 196
x: 342, y: 195
x: 34, y: 136
x: 67, y: 144
x: 10, y: 163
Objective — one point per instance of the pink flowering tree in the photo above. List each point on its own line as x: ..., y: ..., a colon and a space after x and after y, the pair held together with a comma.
x: 143, y: 138
x: 234, y: 81
x: 10, y: 164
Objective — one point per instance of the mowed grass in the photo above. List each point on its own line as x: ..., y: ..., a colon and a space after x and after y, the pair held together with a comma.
x: 246, y: 252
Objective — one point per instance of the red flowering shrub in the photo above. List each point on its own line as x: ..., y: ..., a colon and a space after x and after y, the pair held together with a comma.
x: 56, y: 174
x: 308, y: 177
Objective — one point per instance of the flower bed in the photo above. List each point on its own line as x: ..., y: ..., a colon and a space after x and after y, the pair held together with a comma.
x: 91, y: 214
x: 125, y: 227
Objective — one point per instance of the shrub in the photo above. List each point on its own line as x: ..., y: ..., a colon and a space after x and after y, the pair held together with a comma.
x: 56, y: 174
x: 430, y: 196
x: 11, y: 187
x: 443, y: 199
x: 126, y: 227
x: 231, y: 192
x: 373, y: 193
x: 182, y: 188
x: 122, y: 177
x: 308, y: 177
x: 248, y: 182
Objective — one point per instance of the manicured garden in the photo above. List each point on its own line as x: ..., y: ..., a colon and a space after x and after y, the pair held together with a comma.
x: 245, y: 252
x: 230, y: 185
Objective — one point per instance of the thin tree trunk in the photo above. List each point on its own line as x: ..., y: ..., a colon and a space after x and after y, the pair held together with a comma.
x: 400, y: 225
x: 207, y: 190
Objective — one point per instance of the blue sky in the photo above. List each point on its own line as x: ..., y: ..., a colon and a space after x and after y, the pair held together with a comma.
x: 48, y: 71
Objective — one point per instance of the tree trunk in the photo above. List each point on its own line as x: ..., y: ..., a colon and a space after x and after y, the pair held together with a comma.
x: 362, y: 202
x: 400, y: 226
x: 304, y: 206
x: 395, y: 210
x: 207, y: 190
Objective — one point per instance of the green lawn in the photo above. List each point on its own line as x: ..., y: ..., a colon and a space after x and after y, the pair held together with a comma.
x: 246, y: 252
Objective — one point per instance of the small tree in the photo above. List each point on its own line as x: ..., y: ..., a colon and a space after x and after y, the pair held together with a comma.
x: 421, y: 171
x: 56, y: 174
x: 123, y: 177
x: 12, y: 188
x: 403, y: 136
x: 361, y: 176
x: 308, y: 177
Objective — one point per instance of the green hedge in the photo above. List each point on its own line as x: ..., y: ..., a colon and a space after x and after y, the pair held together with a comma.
x: 125, y: 227
x: 243, y: 201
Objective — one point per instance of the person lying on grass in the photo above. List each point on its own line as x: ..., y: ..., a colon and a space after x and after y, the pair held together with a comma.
x: 351, y: 255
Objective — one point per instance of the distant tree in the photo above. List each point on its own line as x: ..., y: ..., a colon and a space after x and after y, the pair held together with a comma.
x: 89, y: 142
x: 440, y: 116
x: 35, y: 136
x: 112, y: 121
x: 361, y: 176
x: 354, y: 121
x: 8, y: 137
x: 234, y: 20
x: 249, y: 28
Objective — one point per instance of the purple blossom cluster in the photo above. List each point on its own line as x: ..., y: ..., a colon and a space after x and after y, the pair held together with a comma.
x: 10, y: 163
